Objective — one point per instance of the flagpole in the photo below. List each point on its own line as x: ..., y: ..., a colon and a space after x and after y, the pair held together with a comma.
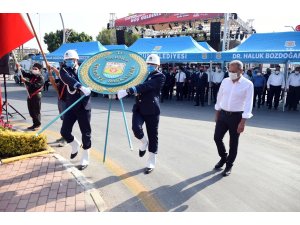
x: 19, y: 71
x: 43, y: 54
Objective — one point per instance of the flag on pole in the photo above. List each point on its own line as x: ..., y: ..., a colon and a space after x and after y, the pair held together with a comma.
x: 14, y: 32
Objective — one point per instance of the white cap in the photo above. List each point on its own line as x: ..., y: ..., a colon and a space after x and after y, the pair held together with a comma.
x: 153, y: 59
x: 71, y: 54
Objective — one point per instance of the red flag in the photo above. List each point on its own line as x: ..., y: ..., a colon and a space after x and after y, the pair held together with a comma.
x: 14, y: 32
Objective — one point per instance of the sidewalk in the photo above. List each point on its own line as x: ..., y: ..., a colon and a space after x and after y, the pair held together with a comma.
x: 44, y: 184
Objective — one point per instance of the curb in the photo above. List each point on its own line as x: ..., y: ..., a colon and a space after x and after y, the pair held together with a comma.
x: 95, y: 196
x: 22, y: 157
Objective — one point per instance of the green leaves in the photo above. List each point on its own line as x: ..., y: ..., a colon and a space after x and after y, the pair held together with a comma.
x: 55, y: 40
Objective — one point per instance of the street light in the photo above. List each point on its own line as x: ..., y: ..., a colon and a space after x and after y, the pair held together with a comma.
x: 291, y: 27
x: 64, y: 31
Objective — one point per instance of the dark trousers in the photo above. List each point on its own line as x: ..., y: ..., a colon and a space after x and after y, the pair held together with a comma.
x: 215, y: 89
x: 46, y: 85
x: 171, y: 90
x: 257, y: 93
x: 274, y: 93
x: 179, y: 91
x: 293, y: 97
x: 164, y: 93
x: 200, y: 92
x: 227, y: 122
x: 151, y: 122
x: 34, y: 108
x: 83, y: 117
x: 191, y: 92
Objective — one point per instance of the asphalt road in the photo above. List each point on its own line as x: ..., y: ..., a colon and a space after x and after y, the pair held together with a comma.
x: 265, y: 177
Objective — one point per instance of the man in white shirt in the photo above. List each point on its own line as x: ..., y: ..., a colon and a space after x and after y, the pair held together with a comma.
x: 180, y: 79
x: 293, y: 89
x: 233, y: 108
x: 217, y: 78
x: 275, y: 85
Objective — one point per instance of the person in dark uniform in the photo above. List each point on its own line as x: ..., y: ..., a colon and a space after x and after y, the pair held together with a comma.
x: 233, y: 108
x: 147, y: 110
x: 266, y: 76
x: 81, y: 112
x: 34, y: 82
x: 200, y: 85
x: 190, y: 85
x: 172, y: 82
x: 166, y: 87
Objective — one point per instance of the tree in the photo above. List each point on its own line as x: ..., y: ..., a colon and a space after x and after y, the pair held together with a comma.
x: 105, y: 37
x: 130, y: 38
x: 54, y: 40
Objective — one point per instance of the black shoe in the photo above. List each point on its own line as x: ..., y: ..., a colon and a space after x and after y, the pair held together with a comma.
x: 33, y: 127
x: 148, y: 170
x: 30, y: 128
x: 227, y: 171
x: 73, y: 155
x: 196, y: 105
x: 142, y: 153
x: 220, y: 163
x: 81, y: 167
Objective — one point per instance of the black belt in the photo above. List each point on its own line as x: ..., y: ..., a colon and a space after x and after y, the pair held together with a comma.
x: 231, y: 113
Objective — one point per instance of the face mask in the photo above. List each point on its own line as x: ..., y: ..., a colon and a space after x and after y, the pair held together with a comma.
x: 233, y: 76
x: 151, y: 68
x: 35, y: 72
x: 70, y: 63
x: 276, y: 72
x: 258, y: 73
x: 297, y: 72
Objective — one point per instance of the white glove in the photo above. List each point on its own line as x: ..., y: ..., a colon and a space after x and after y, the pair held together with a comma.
x: 122, y: 94
x: 86, y: 90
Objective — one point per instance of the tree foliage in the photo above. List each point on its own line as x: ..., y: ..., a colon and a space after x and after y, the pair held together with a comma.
x: 54, y: 40
x: 105, y: 37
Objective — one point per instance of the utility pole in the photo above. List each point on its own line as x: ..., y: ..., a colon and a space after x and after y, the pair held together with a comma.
x: 226, y: 37
x: 64, y: 30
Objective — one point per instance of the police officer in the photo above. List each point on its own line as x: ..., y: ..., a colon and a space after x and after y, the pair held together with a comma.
x: 147, y: 110
x: 34, y: 84
x: 81, y: 112
x: 200, y: 85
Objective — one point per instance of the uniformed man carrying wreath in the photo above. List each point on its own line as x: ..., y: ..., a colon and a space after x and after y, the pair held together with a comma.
x: 147, y: 110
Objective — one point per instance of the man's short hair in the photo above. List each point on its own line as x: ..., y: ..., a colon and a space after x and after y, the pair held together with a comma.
x: 238, y: 63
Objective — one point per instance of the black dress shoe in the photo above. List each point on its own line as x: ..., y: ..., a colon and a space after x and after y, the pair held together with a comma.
x: 148, y: 170
x: 82, y: 167
x: 220, y: 163
x: 227, y: 171
x: 142, y: 153
x: 30, y: 128
x: 196, y: 105
x: 73, y: 155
